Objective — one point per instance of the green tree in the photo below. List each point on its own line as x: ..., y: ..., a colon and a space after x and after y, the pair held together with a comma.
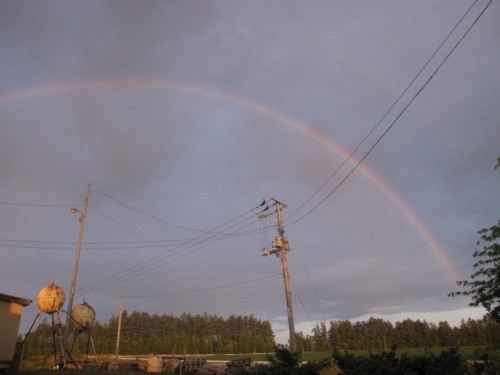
x: 285, y: 362
x: 342, y: 335
x: 320, y: 338
x: 484, y: 283
x: 303, y: 342
x: 378, y: 334
x: 445, y: 335
x: 405, y: 334
x: 389, y: 363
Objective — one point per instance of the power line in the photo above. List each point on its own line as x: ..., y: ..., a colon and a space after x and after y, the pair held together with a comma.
x: 147, y: 266
x: 125, y: 245
x: 148, y: 214
x: 274, y: 274
x: 36, y: 205
x: 389, y: 110
x: 197, y: 243
x: 365, y: 155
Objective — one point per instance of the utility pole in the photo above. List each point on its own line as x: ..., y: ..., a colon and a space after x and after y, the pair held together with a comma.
x: 280, y: 248
x: 83, y: 215
x: 118, y: 333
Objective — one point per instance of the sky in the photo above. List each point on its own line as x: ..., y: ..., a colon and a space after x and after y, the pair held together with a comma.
x: 184, y: 116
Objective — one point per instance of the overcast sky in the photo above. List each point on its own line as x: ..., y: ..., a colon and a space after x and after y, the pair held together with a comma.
x: 185, y: 115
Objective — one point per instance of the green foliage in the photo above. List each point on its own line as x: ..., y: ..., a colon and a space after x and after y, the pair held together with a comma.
x: 286, y: 362
x: 484, y: 283
x: 377, y: 334
x: 145, y: 334
x: 208, y: 334
x: 284, y: 358
x: 387, y: 363
x: 320, y: 334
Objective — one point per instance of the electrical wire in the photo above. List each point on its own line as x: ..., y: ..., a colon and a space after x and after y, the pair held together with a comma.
x: 391, y: 125
x: 389, y: 110
x: 206, y: 238
x: 302, y: 304
x: 36, y: 205
x: 147, y: 214
x: 195, y: 244
x: 146, y: 266
x: 274, y: 274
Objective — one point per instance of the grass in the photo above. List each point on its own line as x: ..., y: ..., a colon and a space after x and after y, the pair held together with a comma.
x: 467, y: 352
x: 37, y: 365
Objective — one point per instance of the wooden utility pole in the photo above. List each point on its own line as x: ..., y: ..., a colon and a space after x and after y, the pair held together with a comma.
x: 281, y: 248
x: 83, y: 216
x: 118, y: 334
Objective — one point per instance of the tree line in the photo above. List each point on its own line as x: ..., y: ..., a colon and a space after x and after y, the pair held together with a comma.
x: 379, y: 334
x: 448, y: 362
x: 142, y: 333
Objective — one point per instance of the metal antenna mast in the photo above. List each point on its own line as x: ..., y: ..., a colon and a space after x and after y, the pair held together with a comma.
x: 281, y: 248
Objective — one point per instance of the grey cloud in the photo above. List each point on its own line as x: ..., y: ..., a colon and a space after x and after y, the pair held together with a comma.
x: 195, y: 160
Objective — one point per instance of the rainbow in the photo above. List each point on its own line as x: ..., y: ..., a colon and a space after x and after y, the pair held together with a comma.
x: 260, y: 108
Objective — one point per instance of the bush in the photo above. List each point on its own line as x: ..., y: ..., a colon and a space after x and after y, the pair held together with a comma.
x: 286, y: 362
x: 387, y: 363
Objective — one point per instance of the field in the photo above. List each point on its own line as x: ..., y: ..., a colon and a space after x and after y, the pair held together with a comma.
x: 467, y: 352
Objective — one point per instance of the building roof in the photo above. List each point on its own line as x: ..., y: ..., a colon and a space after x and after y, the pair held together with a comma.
x: 18, y: 300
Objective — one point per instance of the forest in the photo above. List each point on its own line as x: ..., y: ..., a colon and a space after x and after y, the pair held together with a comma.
x: 379, y: 334
x: 143, y: 333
